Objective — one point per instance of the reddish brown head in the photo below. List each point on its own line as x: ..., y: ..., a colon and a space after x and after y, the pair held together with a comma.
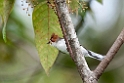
x: 53, y: 38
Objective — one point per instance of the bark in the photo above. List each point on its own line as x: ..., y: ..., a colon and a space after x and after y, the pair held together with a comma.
x: 72, y: 42
x: 110, y: 55
x: 74, y: 49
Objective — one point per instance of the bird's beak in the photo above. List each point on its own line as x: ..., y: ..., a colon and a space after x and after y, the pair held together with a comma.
x: 48, y: 42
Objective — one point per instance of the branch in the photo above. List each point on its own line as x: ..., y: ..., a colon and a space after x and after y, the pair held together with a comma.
x: 110, y: 55
x: 74, y: 49
x: 72, y: 42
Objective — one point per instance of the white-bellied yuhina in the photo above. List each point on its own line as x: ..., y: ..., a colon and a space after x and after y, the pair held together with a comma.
x: 59, y: 43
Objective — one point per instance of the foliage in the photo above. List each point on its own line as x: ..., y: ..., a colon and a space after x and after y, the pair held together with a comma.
x: 18, y: 66
x: 100, y: 1
x: 5, y: 9
x: 45, y: 23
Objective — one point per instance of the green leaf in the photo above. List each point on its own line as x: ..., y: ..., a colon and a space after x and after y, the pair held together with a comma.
x: 73, y: 5
x: 5, y: 9
x: 100, y: 1
x: 78, y: 7
x: 45, y: 23
x: 36, y: 2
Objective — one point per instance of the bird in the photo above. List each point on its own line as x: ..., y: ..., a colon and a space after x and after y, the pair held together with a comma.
x: 60, y: 44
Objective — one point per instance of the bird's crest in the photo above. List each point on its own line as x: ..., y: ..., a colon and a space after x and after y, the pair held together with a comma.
x: 54, y: 37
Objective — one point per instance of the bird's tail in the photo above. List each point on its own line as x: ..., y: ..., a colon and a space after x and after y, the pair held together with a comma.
x: 91, y: 54
x: 95, y: 55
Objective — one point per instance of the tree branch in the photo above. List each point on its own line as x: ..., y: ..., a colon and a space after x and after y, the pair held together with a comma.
x: 72, y: 42
x: 74, y: 49
x: 110, y: 55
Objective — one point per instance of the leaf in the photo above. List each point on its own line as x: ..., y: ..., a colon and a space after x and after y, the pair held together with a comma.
x: 5, y: 9
x: 73, y: 5
x: 100, y: 1
x: 78, y: 6
x: 36, y: 2
x: 45, y: 23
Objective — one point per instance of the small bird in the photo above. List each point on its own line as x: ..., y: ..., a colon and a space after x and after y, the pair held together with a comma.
x: 59, y: 43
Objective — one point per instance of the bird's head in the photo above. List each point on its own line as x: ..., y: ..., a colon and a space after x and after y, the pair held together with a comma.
x: 54, y: 38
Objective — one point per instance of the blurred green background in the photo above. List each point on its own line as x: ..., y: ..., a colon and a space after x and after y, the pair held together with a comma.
x: 19, y: 61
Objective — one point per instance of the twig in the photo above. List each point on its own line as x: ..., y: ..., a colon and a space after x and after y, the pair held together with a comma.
x: 110, y: 55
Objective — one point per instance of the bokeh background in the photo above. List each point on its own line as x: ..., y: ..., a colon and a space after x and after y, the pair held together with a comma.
x: 19, y: 60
